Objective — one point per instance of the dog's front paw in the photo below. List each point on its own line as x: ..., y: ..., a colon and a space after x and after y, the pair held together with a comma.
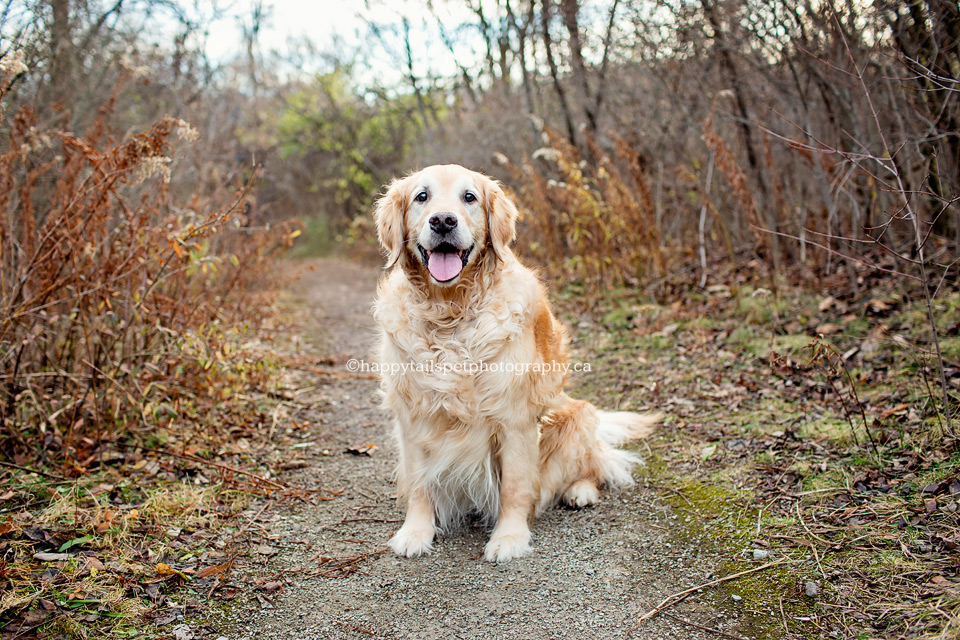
x: 507, y: 546
x: 411, y: 542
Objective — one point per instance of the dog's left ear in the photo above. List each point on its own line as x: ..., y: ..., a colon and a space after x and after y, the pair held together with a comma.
x: 390, y: 216
x: 501, y: 219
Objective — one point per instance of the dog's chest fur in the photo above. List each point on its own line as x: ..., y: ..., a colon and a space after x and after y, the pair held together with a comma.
x: 461, y: 367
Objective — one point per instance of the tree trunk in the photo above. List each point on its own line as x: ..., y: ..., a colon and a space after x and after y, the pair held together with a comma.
x: 61, y: 56
x: 607, y: 42
x: 569, y: 10
x: 732, y: 77
x: 485, y: 30
x: 411, y: 76
x: 554, y: 72
x: 522, y: 31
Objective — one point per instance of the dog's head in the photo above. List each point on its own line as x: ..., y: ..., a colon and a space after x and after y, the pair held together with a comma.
x: 444, y: 221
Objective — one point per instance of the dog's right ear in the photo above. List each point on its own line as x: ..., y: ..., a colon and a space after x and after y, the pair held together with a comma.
x: 390, y: 216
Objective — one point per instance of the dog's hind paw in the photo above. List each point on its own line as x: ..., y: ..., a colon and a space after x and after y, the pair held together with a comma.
x: 502, y: 548
x: 582, y: 494
x: 411, y: 542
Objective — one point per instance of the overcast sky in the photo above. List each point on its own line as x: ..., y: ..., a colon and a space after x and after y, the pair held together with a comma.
x: 318, y: 20
x: 341, y: 26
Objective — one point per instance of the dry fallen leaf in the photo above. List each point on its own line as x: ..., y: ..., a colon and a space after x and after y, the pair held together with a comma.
x: 362, y: 450
x: 213, y: 570
x: 897, y: 409
x: 167, y: 570
x: 35, y: 616
x: 828, y: 328
x: 878, y: 306
x: 668, y: 330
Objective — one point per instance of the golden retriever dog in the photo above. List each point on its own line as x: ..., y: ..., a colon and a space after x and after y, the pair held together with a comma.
x: 473, y: 365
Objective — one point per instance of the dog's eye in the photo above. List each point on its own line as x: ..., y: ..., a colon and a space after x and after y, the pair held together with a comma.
x: 421, y: 197
x: 469, y: 197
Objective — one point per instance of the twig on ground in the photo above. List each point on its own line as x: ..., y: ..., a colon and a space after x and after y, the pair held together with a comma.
x: 344, y: 566
x: 813, y: 547
x: 39, y: 473
x: 703, y: 628
x: 358, y: 629
x: 218, y: 465
x: 246, y: 524
x: 783, y: 618
x: 346, y: 520
x: 335, y: 374
x: 669, y: 601
x: 21, y: 507
x: 675, y: 492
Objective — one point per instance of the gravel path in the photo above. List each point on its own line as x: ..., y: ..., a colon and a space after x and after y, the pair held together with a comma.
x: 593, y: 572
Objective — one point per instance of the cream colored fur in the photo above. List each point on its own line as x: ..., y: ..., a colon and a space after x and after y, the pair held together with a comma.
x: 491, y: 443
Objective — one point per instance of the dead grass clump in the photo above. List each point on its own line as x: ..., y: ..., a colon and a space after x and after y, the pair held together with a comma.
x: 105, y: 554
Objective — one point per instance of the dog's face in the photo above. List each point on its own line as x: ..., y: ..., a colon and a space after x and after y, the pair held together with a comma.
x: 443, y: 220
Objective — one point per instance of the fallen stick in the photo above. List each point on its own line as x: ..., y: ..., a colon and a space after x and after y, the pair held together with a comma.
x: 783, y: 618
x: 335, y: 374
x: 224, y: 467
x: 29, y: 505
x: 370, y: 520
x: 703, y: 628
x: 666, y: 602
x: 39, y: 473
x: 344, y: 566
x: 358, y: 629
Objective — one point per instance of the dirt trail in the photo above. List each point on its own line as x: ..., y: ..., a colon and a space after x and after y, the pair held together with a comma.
x: 592, y: 575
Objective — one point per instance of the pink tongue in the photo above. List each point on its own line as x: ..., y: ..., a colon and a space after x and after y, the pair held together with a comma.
x: 444, y: 266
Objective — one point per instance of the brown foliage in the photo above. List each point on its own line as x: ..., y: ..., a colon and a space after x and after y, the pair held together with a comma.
x: 114, y: 300
x: 597, y: 225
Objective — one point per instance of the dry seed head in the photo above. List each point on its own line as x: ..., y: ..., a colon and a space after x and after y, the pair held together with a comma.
x: 35, y: 141
x: 138, y: 71
x: 547, y: 153
x: 12, y: 63
x: 186, y: 132
x: 151, y: 165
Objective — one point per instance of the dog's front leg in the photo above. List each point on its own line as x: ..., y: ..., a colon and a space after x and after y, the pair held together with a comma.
x: 519, y: 455
x: 415, y: 537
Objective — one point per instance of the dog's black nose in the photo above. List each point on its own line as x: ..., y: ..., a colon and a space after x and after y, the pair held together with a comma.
x: 443, y: 222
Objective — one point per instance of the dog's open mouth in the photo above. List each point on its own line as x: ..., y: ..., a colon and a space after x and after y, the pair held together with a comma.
x: 445, y: 261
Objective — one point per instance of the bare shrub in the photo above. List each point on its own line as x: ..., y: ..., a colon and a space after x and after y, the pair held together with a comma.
x: 596, y: 224
x: 114, y: 299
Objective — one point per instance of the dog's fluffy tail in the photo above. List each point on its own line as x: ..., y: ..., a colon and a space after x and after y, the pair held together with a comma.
x: 617, y: 427
x: 579, y: 451
x: 613, y: 429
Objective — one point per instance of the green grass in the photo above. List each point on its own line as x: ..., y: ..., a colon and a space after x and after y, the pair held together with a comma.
x: 712, y: 399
